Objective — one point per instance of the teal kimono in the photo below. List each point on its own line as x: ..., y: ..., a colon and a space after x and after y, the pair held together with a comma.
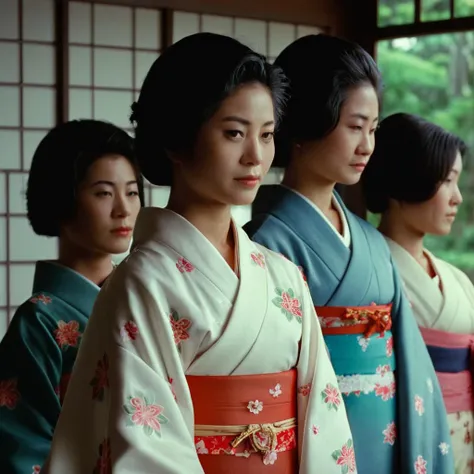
x: 37, y: 355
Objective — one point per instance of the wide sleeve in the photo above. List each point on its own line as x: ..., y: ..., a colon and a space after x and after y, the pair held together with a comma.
x: 423, y: 429
x: 30, y: 371
x: 128, y: 406
x: 324, y: 435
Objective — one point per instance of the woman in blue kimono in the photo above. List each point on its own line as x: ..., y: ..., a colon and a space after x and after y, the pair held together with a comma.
x: 85, y: 188
x: 391, y: 392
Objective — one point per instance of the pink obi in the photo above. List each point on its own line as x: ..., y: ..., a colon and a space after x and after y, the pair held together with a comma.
x: 452, y: 356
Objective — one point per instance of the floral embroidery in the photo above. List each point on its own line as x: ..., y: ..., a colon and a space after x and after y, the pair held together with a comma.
x: 41, y: 299
x: 289, y: 305
x: 255, y: 407
x: 258, y: 259
x: 184, y: 266
x: 345, y: 458
x: 148, y: 415
x: 363, y: 342
x: 9, y: 394
x: 420, y: 465
x: 305, y: 390
x: 170, y: 381
x: 419, y: 405
x: 429, y: 384
x: 386, y: 392
x: 101, y: 379
x: 383, y: 369
x: 67, y: 334
x: 276, y: 392
x: 390, y: 434
x: 201, y: 447
x: 444, y: 448
x: 315, y: 430
x: 104, y: 461
x: 129, y: 331
x: 270, y: 458
x: 179, y: 326
x: 331, y: 397
x: 389, y: 346
x: 36, y: 469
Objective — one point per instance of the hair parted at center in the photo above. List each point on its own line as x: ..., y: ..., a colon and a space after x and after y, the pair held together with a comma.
x: 184, y: 88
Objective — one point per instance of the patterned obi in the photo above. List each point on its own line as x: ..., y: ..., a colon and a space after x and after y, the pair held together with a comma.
x: 452, y: 356
x: 245, y: 423
x: 360, y: 345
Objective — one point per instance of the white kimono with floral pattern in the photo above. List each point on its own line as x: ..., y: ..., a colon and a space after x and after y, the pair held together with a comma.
x: 174, y: 308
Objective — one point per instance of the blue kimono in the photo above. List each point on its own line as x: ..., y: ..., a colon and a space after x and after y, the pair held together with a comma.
x: 37, y: 355
x: 399, y: 426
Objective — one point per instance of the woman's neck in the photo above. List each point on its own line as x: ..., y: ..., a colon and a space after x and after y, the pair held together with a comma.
x: 95, y: 267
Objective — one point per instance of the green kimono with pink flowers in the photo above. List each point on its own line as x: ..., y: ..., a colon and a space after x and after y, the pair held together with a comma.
x: 37, y: 355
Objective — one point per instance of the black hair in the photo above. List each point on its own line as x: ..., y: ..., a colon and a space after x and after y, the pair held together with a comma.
x: 321, y: 70
x: 412, y: 157
x: 60, y: 163
x: 185, y: 87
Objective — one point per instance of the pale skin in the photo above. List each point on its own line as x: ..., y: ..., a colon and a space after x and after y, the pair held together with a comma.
x: 317, y: 166
x: 407, y: 224
x: 235, y: 143
x: 107, y: 199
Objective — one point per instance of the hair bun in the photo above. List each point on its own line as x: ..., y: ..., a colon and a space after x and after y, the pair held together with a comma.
x: 134, y: 116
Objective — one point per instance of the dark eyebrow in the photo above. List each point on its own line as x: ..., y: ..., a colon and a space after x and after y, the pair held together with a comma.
x: 234, y: 118
x: 110, y: 183
x: 364, y: 117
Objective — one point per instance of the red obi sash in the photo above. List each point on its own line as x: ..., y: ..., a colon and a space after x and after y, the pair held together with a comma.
x: 245, y: 423
x: 366, y: 320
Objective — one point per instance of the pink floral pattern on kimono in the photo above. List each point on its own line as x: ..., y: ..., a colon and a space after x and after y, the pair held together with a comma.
x: 290, y: 305
x: 258, y: 259
x: 129, y: 331
x: 147, y: 415
x: 345, y: 457
x: 184, y: 266
x: 104, y: 461
x: 331, y: 397
x: 67, y: 334
x: 390, y: 434
x: 36, y: 469
x: 385, y: 392
x: 180, y: 327
x: 420, y: 465
x: 41, y: 299
x: 100, y: 381
x: 389, y: 346
x: 305, y: 390
x: 9, y: 394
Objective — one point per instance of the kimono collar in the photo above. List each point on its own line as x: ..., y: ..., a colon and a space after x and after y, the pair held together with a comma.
x: 66, y: 284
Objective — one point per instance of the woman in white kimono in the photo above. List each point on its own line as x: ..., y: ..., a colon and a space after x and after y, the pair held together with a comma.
x: 204, y: 353
x: 412, y: 180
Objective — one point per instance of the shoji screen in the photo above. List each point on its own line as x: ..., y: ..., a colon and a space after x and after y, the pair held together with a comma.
x: 268, y: 38
x: 110, y: 51
x: 27, y: 98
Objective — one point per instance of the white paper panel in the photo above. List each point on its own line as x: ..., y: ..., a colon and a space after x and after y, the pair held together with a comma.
x: 17, y: 192
x: 147, y: 28
x: 143, y: 63
x: 3, y: 322
x: 281, y: 35
x: 221, y: 25
x: 9, y: 27
x: 25, y: 245
x: 10, y: 62
x: 80, y: 104
x: 3, y: 239
x: 3, y: 291
x: 3, y: 193
x: 38, y: 64
x: 253, y: 33
x: 304, y: 30
x: 113, y: 68
x: 31, y: 140
x: 184, y: 24
x: 113, y: 106
x: 80, y: 64
x: 21, y: 282
x: 10, y: 150
x: 39, y: 107
x: 112, y: 25
x: 38, y: 20
x: 80, y: 22
x: 10, y: 100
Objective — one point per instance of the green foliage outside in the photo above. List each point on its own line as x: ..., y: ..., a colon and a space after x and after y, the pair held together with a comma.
x: 433, y: 76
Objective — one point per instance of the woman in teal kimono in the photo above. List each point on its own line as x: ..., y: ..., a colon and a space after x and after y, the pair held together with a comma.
x: 85, y: 188
x: 392, y: 396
